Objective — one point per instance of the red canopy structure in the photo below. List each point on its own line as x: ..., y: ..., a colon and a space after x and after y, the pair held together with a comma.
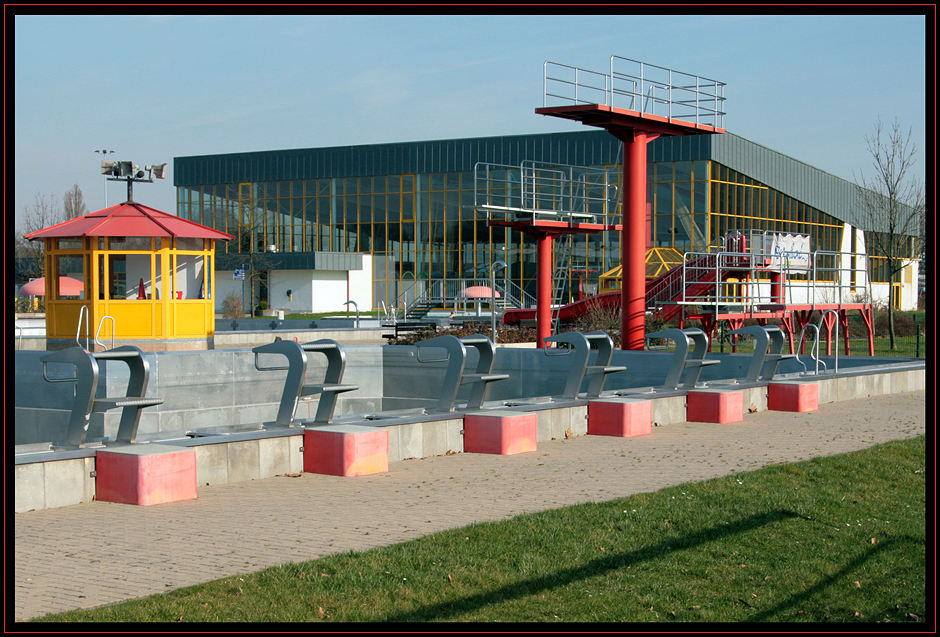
x: 478, y: 292
x: 68, y: 286
x: 129, y: 219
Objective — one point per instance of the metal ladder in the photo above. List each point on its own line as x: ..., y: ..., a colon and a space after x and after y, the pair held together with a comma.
x: 83, y: 313
x: 814, y: 350
x: 559, y: 277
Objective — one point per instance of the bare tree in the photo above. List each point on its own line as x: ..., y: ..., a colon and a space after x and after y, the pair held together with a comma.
x: 247, y: 223
x: 74, y: 203
x: 891, y: 203
x: 43, y: 213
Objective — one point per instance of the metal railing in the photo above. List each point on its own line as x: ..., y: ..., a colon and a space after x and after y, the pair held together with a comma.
x: 830, y: 280
x: 637, y: 86
x: 576, y: 194
x: 83, y: 313
x: 98, y: 331
x: 447, y: 293
x: 814, y: 350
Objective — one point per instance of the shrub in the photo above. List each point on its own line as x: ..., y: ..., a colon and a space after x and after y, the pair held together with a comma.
x: 504, y: 333
x: 903, y: 324
x: 233, y: 307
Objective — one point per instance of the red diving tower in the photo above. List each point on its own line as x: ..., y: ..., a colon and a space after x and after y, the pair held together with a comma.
x: 636, y: 103
x: 546, y: 201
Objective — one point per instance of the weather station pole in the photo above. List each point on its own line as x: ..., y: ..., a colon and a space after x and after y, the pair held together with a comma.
x: 105, y: 153
x: 130, y: 172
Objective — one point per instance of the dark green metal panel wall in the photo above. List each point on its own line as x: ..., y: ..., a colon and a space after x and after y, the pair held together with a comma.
x: 455, y: 155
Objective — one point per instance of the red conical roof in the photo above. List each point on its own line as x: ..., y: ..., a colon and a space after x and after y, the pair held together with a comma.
x: 129, y: 219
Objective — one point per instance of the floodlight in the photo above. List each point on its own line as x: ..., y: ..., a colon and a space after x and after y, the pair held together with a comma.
x: 159, y: 171
x: 108, y: 167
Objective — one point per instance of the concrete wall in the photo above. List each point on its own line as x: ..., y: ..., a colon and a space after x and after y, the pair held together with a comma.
x: 203, y: 389
x: 200, y: 389
x: 58, y: 479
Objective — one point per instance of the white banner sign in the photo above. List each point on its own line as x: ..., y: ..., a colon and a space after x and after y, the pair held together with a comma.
x: 786, y: 251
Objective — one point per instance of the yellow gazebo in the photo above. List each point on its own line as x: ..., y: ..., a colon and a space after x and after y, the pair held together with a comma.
x: 148, y: 279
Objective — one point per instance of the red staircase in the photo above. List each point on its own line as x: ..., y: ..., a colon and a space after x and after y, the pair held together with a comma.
x: 686, y: 281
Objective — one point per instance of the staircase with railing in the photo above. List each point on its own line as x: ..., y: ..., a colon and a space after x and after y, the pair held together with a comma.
x: 454, y: 295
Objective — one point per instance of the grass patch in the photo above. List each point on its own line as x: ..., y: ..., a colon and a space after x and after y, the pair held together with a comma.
x: 834, y: 539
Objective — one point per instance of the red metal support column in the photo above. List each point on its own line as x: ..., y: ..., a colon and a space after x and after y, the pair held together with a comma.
x: 543, y: 287
x: 633, y: 240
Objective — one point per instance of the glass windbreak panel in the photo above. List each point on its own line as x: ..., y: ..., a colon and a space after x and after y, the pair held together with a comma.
x: 138, y: 277
x: 189, y: 243
x: 130, y: 243
x: 117, y: 272
x: 188, y: 278
x: 69, y: 244
x: 71, y: 273
x: 153, y: 290
x: 99, y: 266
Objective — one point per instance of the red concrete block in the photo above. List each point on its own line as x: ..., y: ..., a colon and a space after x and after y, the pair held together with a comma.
x: 345, y: 450
x: 622, y: 417
x: 502, y: 432
x: 145, y: 474
x: 715, y: 405
x: 793, y: 396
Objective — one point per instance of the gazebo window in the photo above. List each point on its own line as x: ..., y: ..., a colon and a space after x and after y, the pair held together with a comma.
x: 189, y: 276
x: 118, y: 270
x: 130, y: 243
x: 70, y: 266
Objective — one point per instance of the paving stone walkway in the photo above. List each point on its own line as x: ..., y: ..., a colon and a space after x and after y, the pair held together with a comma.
x: 98, y: 553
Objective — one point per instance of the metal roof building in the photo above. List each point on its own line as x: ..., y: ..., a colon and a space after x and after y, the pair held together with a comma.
x: 411, y: 205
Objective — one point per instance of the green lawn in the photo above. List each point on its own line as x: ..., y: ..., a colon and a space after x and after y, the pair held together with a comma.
x: 836, y: 539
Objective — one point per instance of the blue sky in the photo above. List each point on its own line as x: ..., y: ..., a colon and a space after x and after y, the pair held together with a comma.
x: 156, y: 87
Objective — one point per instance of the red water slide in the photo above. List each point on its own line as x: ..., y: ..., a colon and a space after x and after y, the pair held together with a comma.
x: 662, y: 293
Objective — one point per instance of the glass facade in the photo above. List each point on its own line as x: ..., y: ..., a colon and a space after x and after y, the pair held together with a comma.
x: 423, y: 225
